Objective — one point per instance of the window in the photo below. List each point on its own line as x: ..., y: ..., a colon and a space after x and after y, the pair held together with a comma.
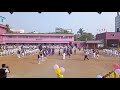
x: 65, y: 36
x: 112, y: 35
x: 55, y: 37
x: 21, y: 37
x: 117, y: 29
x: 12, y: 36
x: 70, y: 36
x: 32, y: 36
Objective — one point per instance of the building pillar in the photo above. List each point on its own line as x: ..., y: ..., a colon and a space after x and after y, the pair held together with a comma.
x: 105, y: 43
x: 94, y: 46
x: 118, y: 44
x: 87, y: 45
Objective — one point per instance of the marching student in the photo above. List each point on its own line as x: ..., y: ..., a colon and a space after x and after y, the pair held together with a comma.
x: 86, y: 55
x: 18, y: 53
x: 74, y: 51
x: 59, y: 52
x: 39, y: 58
x: 97, y: 54
x: 64, y: 56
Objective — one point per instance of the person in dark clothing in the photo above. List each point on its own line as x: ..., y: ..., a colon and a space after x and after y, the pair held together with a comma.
x: 4, y: 70
x: 71, y: 51
x: 64, y: 50
x: 18, y: 54
x: 53, y: 50
x: 69, y: 54
x: 40, y: 47
x: 68, y: 50
x: 59, y: 52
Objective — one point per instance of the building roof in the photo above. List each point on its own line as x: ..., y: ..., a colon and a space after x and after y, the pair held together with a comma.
x: 36, y: 42
x: 36, y: 34
x: 110, y: 32
x: 3, y: 26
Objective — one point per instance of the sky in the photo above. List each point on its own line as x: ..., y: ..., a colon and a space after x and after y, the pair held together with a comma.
x: 48, y: 21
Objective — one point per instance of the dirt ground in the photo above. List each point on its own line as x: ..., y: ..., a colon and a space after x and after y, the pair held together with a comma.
x: 75, y: 67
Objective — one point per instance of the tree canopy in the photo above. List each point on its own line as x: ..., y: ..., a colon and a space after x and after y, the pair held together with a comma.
x: 83, y: 36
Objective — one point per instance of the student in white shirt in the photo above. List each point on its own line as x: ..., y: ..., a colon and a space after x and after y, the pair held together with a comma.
x: 63, y: 56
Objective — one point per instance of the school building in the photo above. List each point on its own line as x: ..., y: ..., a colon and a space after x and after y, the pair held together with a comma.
x: 110, y: 39
x: 33, y: 38
x: 39, y: 38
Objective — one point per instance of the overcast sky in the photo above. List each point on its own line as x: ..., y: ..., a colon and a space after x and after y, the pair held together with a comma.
x: 48, y: 21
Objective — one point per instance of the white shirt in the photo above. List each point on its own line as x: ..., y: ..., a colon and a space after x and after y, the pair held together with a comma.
x: 7, y: 71
x: 63, y: 54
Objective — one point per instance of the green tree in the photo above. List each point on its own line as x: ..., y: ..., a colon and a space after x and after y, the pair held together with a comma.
x: 80, y: 31
x: 86, y: 36
x: 77, y: 37
x: 66, y: 32
x: 8, y: 29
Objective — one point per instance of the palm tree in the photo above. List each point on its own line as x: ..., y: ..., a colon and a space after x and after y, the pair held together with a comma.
x: 80, y: 31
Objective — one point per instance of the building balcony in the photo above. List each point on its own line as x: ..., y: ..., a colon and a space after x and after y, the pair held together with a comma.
x: 22, y: 40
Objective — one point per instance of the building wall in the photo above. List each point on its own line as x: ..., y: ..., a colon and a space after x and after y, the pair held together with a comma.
x: 78, y: 44
x: 9, y: 40
x: 108, y: 36
x: 113, y: 35
x: 101, y: 36
x: 34, y: 38
x: 2, y: 30
x: 117, y: 23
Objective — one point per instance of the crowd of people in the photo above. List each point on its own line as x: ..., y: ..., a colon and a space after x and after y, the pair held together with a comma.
x: 111, y: 52
x: 91, y: 53
x: 6, y: 50
x: 44, y: 51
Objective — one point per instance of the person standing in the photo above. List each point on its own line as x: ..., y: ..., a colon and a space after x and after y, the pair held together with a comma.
x: 40, y: 47
x: 52, y: 51
x: 64, y: 56
x: 97, y: 54
x: 39, y: 58
x: 70, y: 50
x: 18, y: 53
x: 4, y: 70
x: 75, y: 51
x: 86, y: 56
x: 59, y: 52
